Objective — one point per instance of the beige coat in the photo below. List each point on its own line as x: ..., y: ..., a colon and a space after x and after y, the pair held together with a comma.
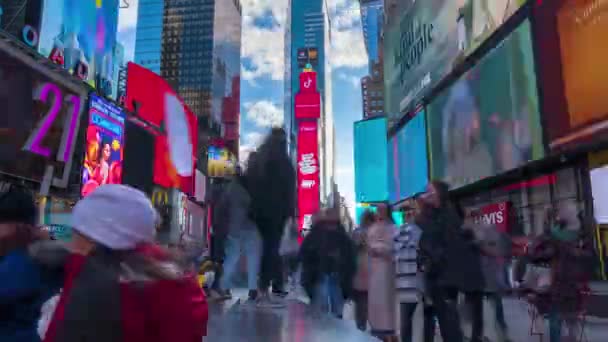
x: 382, y: 293
x: 361, y: 281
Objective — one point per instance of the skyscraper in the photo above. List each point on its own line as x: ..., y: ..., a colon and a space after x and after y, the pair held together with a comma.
x: 371, y: 24
x: 372, y: 85
x: 196, y: 47
x: 149, y: 35
x: 309, y: 29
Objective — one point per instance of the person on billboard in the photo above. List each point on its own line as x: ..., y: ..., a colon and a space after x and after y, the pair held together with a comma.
x: 25, y: 284
x: 273, y: 202
x: 91, y: 157
x: 113, y: 265
x: 102, y: 174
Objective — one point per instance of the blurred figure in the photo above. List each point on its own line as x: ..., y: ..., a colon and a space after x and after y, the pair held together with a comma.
x: 381, y: 288
x: 328, y: 263
x: 567, y: 248
x: 361, y: 281
x: 219, y: 234
x: 289, y: 250
x: 441, y: 269
x: 114, y: 267
x: 24, y: 284
x: 273, y: 202
x: 408, y: 280
x: 243, y: 236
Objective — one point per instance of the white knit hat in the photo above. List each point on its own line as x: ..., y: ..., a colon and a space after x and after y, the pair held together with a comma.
x: 116, y: 216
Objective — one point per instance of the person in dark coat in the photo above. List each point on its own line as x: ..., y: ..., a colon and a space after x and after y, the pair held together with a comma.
x: 328, y: 258
x: 24, y: 284
x: 273, y: 181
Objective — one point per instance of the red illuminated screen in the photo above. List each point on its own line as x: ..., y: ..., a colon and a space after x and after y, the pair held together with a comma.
x: 148, y: 90
x: 308, y: 174
x: 308, y: 99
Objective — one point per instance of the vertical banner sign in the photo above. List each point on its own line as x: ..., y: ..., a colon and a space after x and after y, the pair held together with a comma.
x: 308, y: 99
x: 308, y: 175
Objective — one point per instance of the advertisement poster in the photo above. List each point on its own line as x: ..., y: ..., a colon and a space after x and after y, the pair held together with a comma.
x: 104, y: 145
x: 308, y: 174
x: 371, y: 183
x: 220, y: 162
x: 495, y: 215
x: 488, y: 121
x: 575, y: 80
x: 150, y: 91
x: 308, y: 99
x: 422, y: 45
x: 407, y: 160
x: 84, y: 30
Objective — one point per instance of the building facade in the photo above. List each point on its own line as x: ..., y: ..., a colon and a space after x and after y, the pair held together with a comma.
x: 371, y: 25
x: 310, y: 28
x: 196, y: 47
x: 372, y: 92
x: 372, y: 85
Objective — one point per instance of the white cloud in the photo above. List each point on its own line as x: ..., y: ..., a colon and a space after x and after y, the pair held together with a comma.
x: 264, y: 113
x: 127, y: 17
x: 347, y: 46
x: 264, y: 49
x: 354, y: 80
x: 250, y: 143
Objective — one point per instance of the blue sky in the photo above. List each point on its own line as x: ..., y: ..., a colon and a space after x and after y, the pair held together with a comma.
x: 262, y: 67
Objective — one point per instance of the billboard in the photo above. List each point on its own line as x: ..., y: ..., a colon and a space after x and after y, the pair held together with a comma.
x: 82, y: 33
x: 308, y: 99
x: 220, y: 162
x: 488, y: 122
x: 574, y: 83
x: 308, y: 174
x: 426, y: 38
x: 149, y: 96
x: 302, y: 57
x: 39, y: 120
x: 407, y: 160
x: 104, y: 145
x: 371, y: 173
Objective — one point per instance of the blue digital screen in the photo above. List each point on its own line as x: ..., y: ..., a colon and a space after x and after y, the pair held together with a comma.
x: 371, y: 184
x: 407, y: 160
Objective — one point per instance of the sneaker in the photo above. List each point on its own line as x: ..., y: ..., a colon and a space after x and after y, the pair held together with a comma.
x: 253, y: 295
x: 265, y: 301
x: 215, y: 295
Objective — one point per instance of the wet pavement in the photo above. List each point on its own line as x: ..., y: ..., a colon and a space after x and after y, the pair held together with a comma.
x: 295, y: 322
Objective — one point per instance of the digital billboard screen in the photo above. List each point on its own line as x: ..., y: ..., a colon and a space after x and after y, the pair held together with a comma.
x: 488, y: 121
x: 308, y: 99
x: 426, y: 39
x: 40, y: 118
x: 220, y: 162
x: 574, y: 81
x: 407, y: 160
x: 371, y: 183
x: 308, y: 174
x: 104, y: 145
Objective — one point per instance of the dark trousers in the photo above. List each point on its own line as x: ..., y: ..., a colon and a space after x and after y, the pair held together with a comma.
x: 407, y: 321
x: 474, y: 303
x: 272, y: 264
x: 445, y: 309
x: 218, y: 253
x: 360, y: 301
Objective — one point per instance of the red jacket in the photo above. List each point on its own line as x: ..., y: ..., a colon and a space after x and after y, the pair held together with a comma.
x: 161, y: 311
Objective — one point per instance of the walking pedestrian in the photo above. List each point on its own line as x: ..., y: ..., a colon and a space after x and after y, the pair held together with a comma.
x: 439, y: 223
x: 381, y: 290
x: 273, y: 203
x: 361, y: 281
x: 328, y: 264
x: 408, y: 280
x: 24, y: 283
x: 118, y: 285
x: 289, y: 250
x: 219, y: 235
x: 243, y: 236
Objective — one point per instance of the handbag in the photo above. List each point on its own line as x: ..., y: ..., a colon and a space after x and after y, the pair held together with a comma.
x: 538, y: 278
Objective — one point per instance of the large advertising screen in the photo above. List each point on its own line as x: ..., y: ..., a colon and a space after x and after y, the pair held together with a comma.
x: 426, y: 38
x: 371, y: 183
x: 39, y: 120
x: 308, y: 174
x: 574, y: 81
x: 488, y: 121
x: 104, y: 145
x: 407, y: 160
x: 81, y: 30
x: 150, y: 97
x: 220, y: 162
x: 308, y: 99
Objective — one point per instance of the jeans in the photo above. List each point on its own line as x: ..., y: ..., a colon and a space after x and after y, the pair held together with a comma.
x: 272, y: 264
x: 444, y: 307
x: 474, y: 302
x: 556, y: 320
x: 360, y: 301
x: 247, y: 242
x: 407, y: 321
x: 328, y: 296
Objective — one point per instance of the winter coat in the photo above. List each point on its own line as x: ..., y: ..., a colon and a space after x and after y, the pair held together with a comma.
x: 24, y: 286
x: 409, y: 281
x: 448, y: 255
x: 327, y: 249
x: 381, y: 289
x: 361, y: 281
x: 105, y: 299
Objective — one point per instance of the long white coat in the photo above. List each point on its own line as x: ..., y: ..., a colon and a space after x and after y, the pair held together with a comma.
x: 381, y: 290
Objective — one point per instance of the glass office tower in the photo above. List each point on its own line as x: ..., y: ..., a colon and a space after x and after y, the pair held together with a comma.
x: 149, y: 36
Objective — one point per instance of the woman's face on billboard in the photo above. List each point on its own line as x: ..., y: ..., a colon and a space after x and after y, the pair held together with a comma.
x: 106, y: 152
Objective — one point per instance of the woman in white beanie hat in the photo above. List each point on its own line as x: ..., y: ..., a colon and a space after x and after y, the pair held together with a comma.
x: 117, y: 279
